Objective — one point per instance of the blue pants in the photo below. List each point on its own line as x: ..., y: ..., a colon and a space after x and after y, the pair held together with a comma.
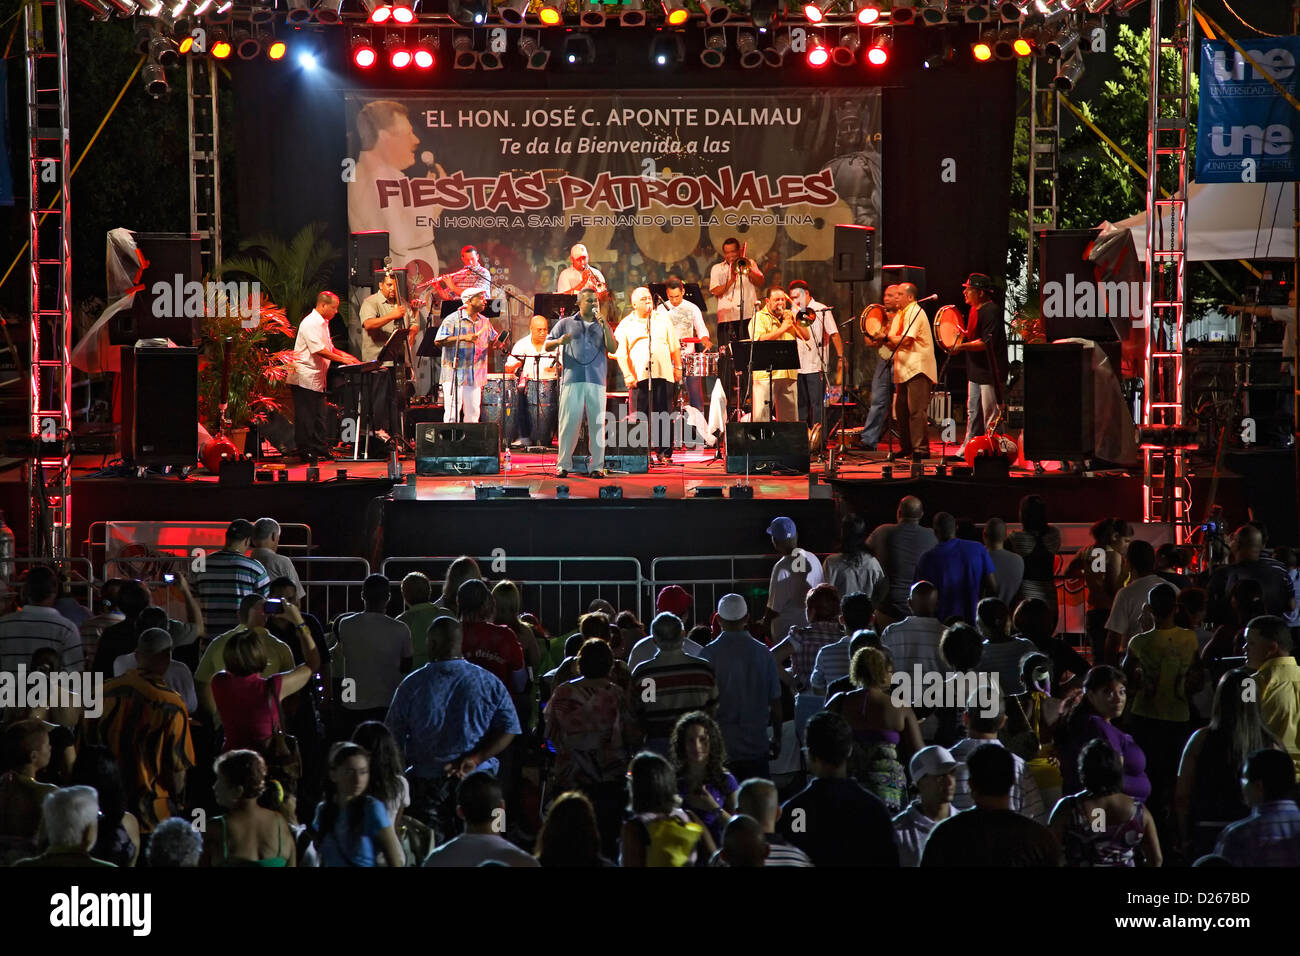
x: 812, y: 395
x: 882, y: 389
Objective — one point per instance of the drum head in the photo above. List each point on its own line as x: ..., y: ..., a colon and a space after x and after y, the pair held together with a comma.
x: 873, y: 320
x: 948, y: 326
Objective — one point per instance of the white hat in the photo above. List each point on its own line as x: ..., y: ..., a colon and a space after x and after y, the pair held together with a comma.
x: 732, y: 607
x: 930, y: 762
x: 470, y: 293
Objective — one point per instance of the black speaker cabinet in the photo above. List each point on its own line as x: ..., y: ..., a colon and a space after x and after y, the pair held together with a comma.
x: 449, y: 448
x: 894, y: 275
x: 855, y: 253
x: 1062, y: 271
x: 1058, y: 403
x: 366, y: 254
x: 164, y: 308
x: 766, y: 447
x: 160, y: 406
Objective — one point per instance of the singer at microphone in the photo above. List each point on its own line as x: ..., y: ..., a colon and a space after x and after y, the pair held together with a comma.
x: 915, y: 372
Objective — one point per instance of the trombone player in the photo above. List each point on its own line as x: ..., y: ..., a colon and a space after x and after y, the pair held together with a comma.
x: 581, y: 275
x: 776, y: 321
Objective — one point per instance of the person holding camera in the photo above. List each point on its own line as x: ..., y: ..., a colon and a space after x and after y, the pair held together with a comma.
x: 247, y: 702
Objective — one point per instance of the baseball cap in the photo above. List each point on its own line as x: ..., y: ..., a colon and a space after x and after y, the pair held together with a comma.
x: 930, y: 762
x: 978, y: 280
x: 470, y: 293
x: 732, y: 607
x: 782, y: 528
x: 153, y: 641
x: 675, y: 599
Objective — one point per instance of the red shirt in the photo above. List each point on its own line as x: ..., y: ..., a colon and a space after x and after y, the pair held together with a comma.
x: 494, y: 648
x: 244, y: 703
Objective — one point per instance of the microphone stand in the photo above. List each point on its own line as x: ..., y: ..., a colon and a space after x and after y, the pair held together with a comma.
x: 894, y: 351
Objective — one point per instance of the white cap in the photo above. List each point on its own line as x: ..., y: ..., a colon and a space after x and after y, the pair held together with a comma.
x: 732, y: 607
x: 470, y: 293
x: 930, y: 762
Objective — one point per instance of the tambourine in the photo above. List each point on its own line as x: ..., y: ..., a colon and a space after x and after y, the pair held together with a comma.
x: 874, y: 319
x: 949, y: 328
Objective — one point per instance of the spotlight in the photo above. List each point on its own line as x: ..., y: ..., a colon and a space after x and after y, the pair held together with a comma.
x: 902, y: 13
x: 982, y: 50
x: 932, y: 12
x: 329, y: 11
x: 632, y: 15
x: 222, y: 13
x: 125, y: 8
x: 977, y: 12
x: 276, y: 49
x: 247, y: 45
x: 163, y: 50
x: 399, y: 56
x: 377, y: 12
x: 716, y: 13
x: 1010, y: 11
x: 487, y: 60
x: 1000, y: 42
x: 593, y: 17
x: 186, y: 43
x: 155, y: 80
x: 814, y: 11
x: 263, y: 11
x: 218, y: 45
x: 1063, y: 43
x: 422, y: 54
x: 818, y: 55
x: 675, y: 12
x: 878, y: 53
x: 714, y: 53
x: 549, y: 13
x: 403, y: 15
x: 513, y: 12
x: 99, y: 10
x: 868, y: 12
x: 530, y: 47
x: 308, y: 60
x: 466, y: 58
x: 363, y: 52
x: 667, y: 49
x: 846, y: 52
x: 1023, y: 45
x: 750, y: 56
x: 762, y: 13
x: 775, y: 54
x: 299, y: 12
x: 1067, y: 77
x: 579, y: 49
x: 468, y: 13
x: 944, y: 54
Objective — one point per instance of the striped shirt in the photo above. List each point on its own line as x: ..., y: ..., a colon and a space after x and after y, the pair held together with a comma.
x: 146, y: 727
x: 92, y: 629
x: 915, y: 640
x: 1003, y: 657
x: 1270, y: 836
x: 1026, y: 799
x: 223, y: 583
x: 807, y: 641
x: 678, y: 685
x: 781, y: 853
x: 832, y: 663
x: 34, y: 628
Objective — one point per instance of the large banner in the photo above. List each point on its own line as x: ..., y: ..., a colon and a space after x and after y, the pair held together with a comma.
x: 1247, y: 130
x: 651, y: 183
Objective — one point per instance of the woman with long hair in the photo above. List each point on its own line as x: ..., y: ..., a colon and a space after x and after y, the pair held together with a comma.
x: 703, y: 783
x: 1105, y: 692
x: 854, y: 568
x: 387, y: 781
x: 1102, y: 825
x: 1105, y: 570
x: 352, y: 828
x: 1038, y: 543
x: 658, y: 832
x: 461, y: 570
x: 569, y: 835
x: 1208, y: 794
x: 119, y: 830
x: 247, y: 834
x: 1031, y: 722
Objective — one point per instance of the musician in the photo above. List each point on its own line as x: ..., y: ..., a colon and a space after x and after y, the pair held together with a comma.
x: 688, y: 321
x: 388, y: 146
x: 537, y: 370
x: 464, y: 368
x: 882, y: 380
x: 735, y: 283
x: 772, y: 322
x: 814, y: 375
x: 915, y: 372
x: 472, y: 274
x: 649, y: 355
x: 313, y: 350
x: 581, y: 274
x: 587, y: 341
x: 381, y: 315
x: 985, y: 346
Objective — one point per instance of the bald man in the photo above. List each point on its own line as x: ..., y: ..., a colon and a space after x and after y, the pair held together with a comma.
x: 649, y: 356
x: 915, y: 373
x: 1248, y: 561
x: 882, y: 380
x: 537, y: 369
x: 898, y: 547
x: 581, y: 274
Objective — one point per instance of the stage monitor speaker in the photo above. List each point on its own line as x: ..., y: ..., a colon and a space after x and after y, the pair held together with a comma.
x: 163, y: 315
x: 1058, y: 403
x: 765, y: 447
x: 450, y: 448
x: 160, y: 406
x: 1061, y: 261
x: 855, y: 253
x: 366, y: 254
x: 894, y: 275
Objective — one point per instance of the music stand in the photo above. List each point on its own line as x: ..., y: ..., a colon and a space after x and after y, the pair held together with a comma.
x: 551, y: 305
x: 774, y: 355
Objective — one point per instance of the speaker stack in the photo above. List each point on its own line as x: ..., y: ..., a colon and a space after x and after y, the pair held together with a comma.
x: 1058, y: 409
x: 160, y: 406
x: 448, y: 448
x: 758, y: 448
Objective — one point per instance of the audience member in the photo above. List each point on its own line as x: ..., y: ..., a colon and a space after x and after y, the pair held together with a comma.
x: 961, y: 570
x: 229, y: 575
x: 1104, y: 570
x: 1170, y: 560
x: 758, y: 798
x: 832, y: 661
x: 252, y: 617
x: 1270, y: 651
x: 418, y: 614
x: 669, y: 685
x: 373, y: 654
x: 658, y: 832
x: 1091, y: 716
x: 1127, y: 613
x: 71, y: 823
x: 898, y: 547
x: 859, y: 640
x: 481, y: 805
x: 246, y: 834
x: 175, y: 843
x: 107, y: 613
x: 178, y: 676
x: 743, y: 844
x: 493, y: 647
x: 248, y: 703
x: 671, y: 599
x: 26, y: 753
x: 799, y: 648
x: 37, y: 625
x: 266, y: 551
x: 796, y: 573
x: 1270, y: 836
x: 1248, y: 563
x: 854, y: 568
x: 119, y: 830
x: 704, y: 784
x: 388, y: 782
x: 461, y: 570
x: 1002, y: 652
x: 1008, y: 567
x: 1102, y: 825
x: 982, y: 726
x: 352, y: 828
x: 1032, y: 620
x: 914, y: 641
x: 134, y: 600
x: 1038, y: 543
x: 569, y: 836
x: 932, y: 769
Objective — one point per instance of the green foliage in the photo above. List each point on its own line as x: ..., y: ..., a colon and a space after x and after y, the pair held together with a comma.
x: 257, y: 368
x: 290, y: 273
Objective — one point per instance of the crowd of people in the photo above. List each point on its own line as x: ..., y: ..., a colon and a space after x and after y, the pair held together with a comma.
x: 909, y: 701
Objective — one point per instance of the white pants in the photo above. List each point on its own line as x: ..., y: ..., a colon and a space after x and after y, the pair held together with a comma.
x: 577, y: 399
x: 460, y: 404
x: 785, y: 399
x: 981, y: 406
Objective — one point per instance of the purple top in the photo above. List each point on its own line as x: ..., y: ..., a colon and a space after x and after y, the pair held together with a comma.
x: 712, y: 819
x: 1136, y: 784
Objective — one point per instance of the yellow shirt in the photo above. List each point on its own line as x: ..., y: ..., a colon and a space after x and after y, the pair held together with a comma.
x: 765, y: 323
x: 1165, y: 656
x: 1279, y: 702
x: 917, y: 356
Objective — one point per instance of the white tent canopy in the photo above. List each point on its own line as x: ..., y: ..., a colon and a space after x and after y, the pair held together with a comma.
x: 1230, y: 221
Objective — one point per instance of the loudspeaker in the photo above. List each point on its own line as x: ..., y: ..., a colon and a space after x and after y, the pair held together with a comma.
x: 1061, y: 261
x: 162, y: 315
x: 448, y: 448
x: 764, y: 447
x: 366, y: 254
x: 1058, y: 403
x: 855, y: 253
x: 894, y: 275
x: 160, y: 406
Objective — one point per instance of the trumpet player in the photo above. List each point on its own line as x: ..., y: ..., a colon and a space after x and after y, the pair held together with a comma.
x: 381, y: 315
x: 778, y: 391
x: 815, y: 370
x: 581, y: 274
x: 734, y: 282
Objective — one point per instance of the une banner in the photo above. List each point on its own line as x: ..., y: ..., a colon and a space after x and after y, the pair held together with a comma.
x: 652, y: 183
x: 1247, y: 131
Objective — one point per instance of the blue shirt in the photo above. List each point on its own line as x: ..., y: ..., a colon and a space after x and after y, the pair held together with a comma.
x: 444, y: 710
x: 1270, y: 836
x: 584, y: 356
x: 469, y: 358
x: 747, y: 685
x: 337, y: 847
x: 956, y: 567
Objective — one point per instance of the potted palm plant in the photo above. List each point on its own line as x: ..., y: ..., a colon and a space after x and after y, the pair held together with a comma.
x: 290, y: 273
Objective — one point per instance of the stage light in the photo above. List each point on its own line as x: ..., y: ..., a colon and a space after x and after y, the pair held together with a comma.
x: 179, y: 8
x: 1000, y: 43
x: 223, y: 8
x: 487, y: 60
x: 378, y: 12
x: 1063, y: 43
x: 329, y: 11
x: 667, y: 49
x: 299, y: 12
x: 466, y: 58
x: 1011, y: 11
x: 878, y: 52
x: 943, y: 55
x: 1023, y: 45
x: 262, y: 11
x: 716, y: 13
x: 550, y: 14
x: 675, y: 12
x: 982, y: 50
x: 1096, y: 6
x: 775, y: 54
x: 403, y: 15
x: 185, y: 44
x: 813, y: 12
x: 276, y: 49
x: 902, y: 13
x: 846, y: 51
x: 247, y: 45
x: 933, y: 12
x: 818, y: 55
x: 977, y: 12
x: 124, y: 8
x: 593, y: 17
x: 469, y: 13
x: 632, y: 15
x: 422, y: 54
x: 218, y: 45
x: 363, y: 52
x: 163, y: 50
x: 308, y: 60
x: 530, y: 47
x: 1067, y: 77
x: 422, y: 57
x: 579, y: 49
x: 399, y: 55
x: 99, y: 10
x: 714, y: 53
x: 750, y: 56
x: 155, y: 80
x: 868, y: 12
x: 513, y: 12
x: 762, y: 13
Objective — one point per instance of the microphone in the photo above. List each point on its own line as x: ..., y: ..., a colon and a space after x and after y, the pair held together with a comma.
x: 929, y: 298
x: 426, y: 158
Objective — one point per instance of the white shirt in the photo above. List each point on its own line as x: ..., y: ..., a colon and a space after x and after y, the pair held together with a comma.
x: 25, y: 632
x: 686, y: 319
x: 911, y: 829
x: 372, y: 647
x: 789, y: 587
x: 915, y: 640
x: 742, y: 290
x: 572, y: 280
x: 471, y: 849
x: 1026, y: 798
x: 178, y: 678
x: 634, y: 347
x: 536, y: 360
x: 406, y: 240
x: 818, y: 350
x: 1127, y: 607
x: 646, y: 648
x: 309, y: 366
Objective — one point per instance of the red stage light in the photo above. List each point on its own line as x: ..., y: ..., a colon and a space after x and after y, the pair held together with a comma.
x: 818, y: 56
x: 813, y: 13
x: 1022, y: 46
x: 380, y: 14
x: 364, y: 56
x: 403, y: 15
x: 868, y: 16
x: 399, y: 59
x: 221, y: 49
x: 877, y: 56
x: 424, y: 59
x: 982, y: 51
x: 276, y: 50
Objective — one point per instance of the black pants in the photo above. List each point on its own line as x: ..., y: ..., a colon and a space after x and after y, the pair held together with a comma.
x: 381, y: 401
x: 812, y: 396
x: 663, y: 405
x: 308, y: 420
x: 433, y: 802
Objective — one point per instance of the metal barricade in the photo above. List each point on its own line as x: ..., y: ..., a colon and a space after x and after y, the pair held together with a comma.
x: 557, y: 589
x: 708, y: 577
x: 295, y: 541
x: 333, y: 584
x: 77, y: 573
